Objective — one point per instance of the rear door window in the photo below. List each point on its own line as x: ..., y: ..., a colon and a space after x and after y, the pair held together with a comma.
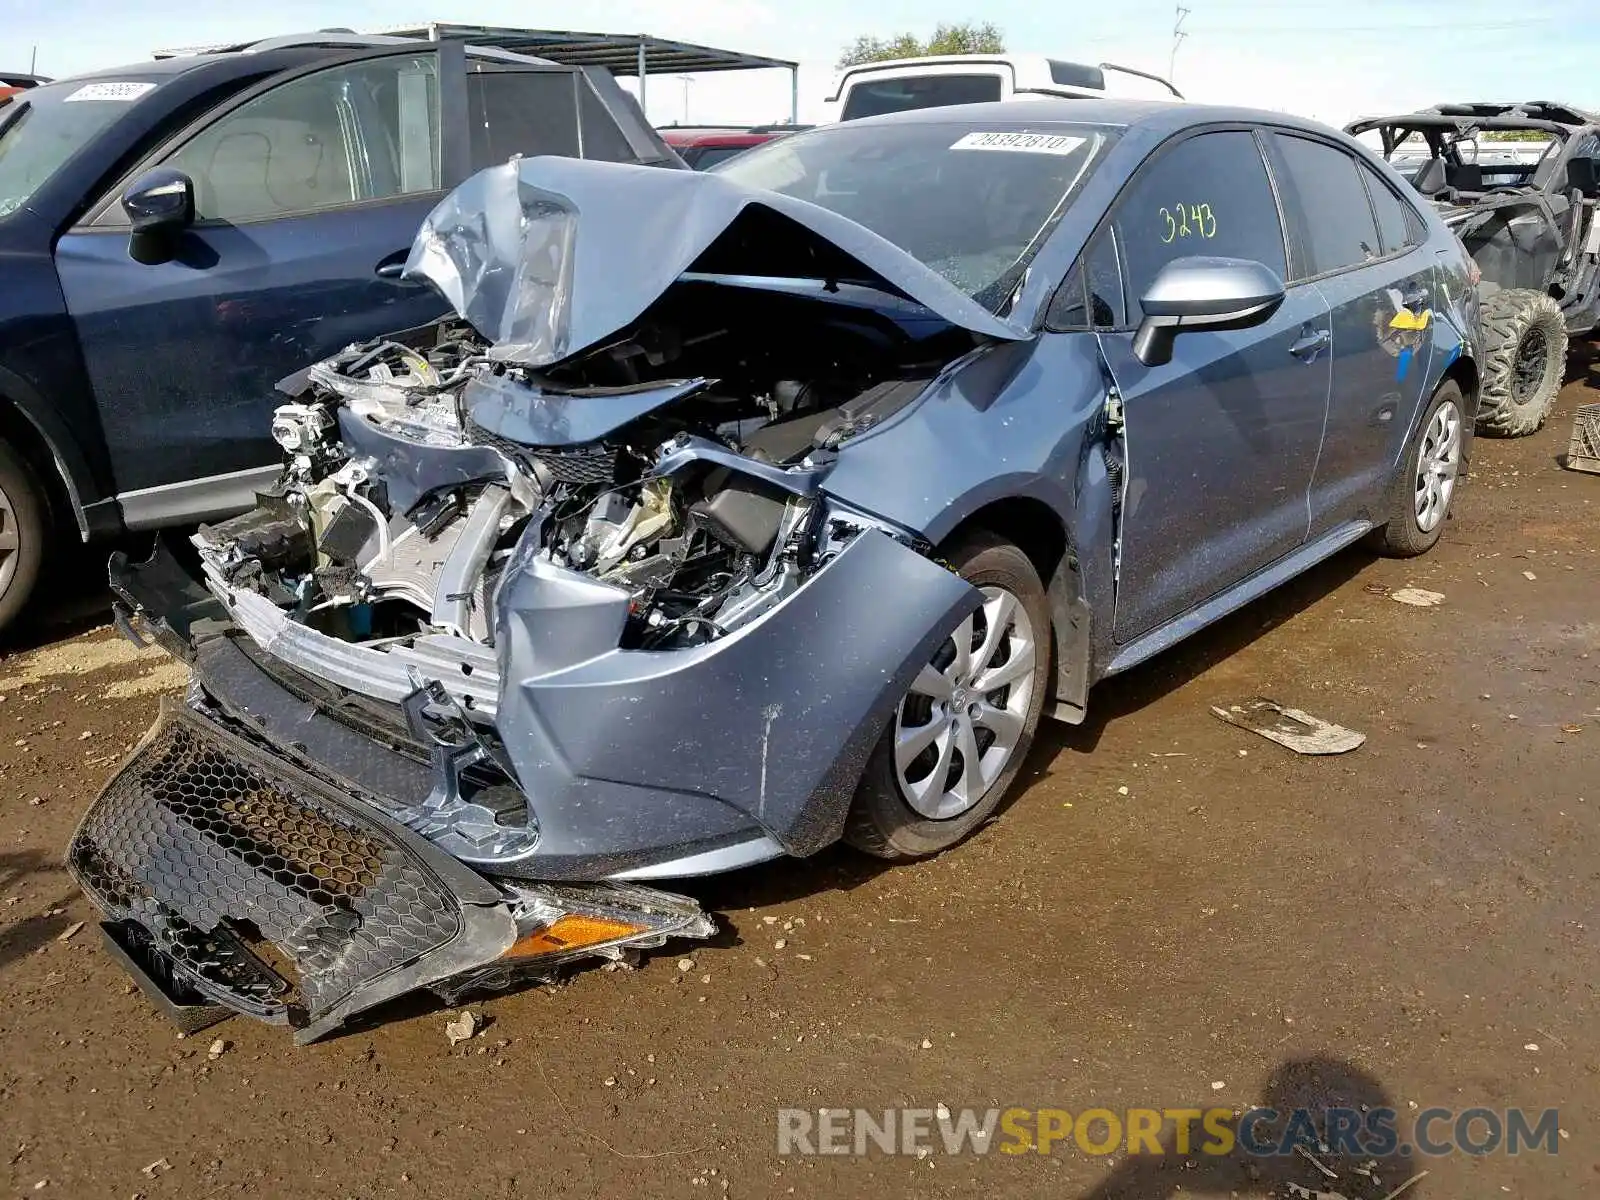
x: 874, y: 97
x: 1331, y: 221
x: 1209, y: 195
x: 520, y: 112
x: 514, y: 110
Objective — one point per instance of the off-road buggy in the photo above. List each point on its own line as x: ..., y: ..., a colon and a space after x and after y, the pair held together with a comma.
x: 1525, y: 211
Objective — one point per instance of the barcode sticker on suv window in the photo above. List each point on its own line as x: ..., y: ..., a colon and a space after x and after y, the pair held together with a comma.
x: 122, y: 93
x: 1021, y: 143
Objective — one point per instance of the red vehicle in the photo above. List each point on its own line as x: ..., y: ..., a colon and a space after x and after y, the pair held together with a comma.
x: 11, y: 84
x: 702, y: 146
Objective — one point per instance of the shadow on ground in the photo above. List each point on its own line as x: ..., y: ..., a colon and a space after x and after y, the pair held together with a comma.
x: 72, y: 598
x: 31, y: 932
x: 1310, y: 1085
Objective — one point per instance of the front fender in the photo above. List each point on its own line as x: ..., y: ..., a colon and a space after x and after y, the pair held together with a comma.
x: 1021, y: 422
x: 71, y: 463
x: 633, y: 757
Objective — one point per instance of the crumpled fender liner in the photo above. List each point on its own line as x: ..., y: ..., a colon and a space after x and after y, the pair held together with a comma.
x: 774, y: 721
x: 167, y: 600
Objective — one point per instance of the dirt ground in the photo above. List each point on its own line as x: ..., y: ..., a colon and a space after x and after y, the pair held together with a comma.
x: 1172, y: 913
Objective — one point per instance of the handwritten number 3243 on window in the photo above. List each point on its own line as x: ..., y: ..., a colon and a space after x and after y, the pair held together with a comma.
x: 1187, y: 220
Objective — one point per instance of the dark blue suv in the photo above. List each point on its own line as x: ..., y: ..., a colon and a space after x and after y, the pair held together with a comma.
x: 178, y: 235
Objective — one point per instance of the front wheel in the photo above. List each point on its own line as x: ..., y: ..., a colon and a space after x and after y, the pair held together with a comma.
x: 959, y: 736
x: 1419, y: 500
x: 22, y: 534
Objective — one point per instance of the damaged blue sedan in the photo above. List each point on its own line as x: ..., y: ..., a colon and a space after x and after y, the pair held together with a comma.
x: 735, y: 514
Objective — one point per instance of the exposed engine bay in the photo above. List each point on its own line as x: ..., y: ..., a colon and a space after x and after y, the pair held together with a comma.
x: 417, y: 463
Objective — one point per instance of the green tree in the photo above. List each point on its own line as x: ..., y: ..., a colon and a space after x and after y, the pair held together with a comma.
x: 964, y: 38
x: 1514, y: 135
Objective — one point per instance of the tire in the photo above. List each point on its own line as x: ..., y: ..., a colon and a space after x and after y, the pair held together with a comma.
x: 1525, y: 360
x: 1414, y: 521
x: 882, y: 820
x: 23, y: 527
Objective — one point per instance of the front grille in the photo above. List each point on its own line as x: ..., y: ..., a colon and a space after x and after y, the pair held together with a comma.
x: 579, y: 466
x: 586, y: 465
x: 207, y: 842
x: 480, y: 435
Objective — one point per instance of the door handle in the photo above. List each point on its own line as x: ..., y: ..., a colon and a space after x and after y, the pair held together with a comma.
x: 1309, y: 345
x: 1415, y: 298
x: 389, y: 270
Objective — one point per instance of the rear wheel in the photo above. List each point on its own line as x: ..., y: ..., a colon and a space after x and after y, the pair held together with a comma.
x: 959, y: 736
x: 1525, y: 359
x: 1420, y: 498
x: 22, y: 534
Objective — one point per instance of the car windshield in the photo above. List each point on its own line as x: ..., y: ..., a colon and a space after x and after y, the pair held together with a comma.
x: 43, y: 127
x: 973, y: 205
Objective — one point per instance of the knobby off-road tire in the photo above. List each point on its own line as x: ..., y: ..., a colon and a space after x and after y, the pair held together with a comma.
x: 23, y: 525
x: 1425, y: 485
x: 1524, y: 362
x: 908, y: 807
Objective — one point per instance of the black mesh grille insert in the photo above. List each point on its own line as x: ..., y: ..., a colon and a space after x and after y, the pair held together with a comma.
x: 202, y: 837
x: 579, y: 465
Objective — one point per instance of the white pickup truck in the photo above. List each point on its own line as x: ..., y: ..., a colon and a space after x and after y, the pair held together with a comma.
x: 896, y: 85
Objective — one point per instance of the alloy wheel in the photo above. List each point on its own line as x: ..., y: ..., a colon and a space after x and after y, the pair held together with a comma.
x: 10, y: 542
x: 957, y: 729
x: 1438, y: 464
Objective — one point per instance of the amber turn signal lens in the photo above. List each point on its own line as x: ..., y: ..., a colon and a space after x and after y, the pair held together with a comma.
x: 571, y: 932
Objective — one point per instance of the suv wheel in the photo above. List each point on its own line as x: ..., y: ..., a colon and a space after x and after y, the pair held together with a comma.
x: 959, y: 736
x: 22, y: 534
x: 1525, y: 358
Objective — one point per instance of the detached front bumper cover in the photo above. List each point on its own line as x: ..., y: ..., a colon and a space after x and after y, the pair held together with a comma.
x: 260, y: 888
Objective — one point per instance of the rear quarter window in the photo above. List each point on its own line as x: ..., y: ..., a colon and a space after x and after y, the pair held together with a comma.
x: 1398, y: 223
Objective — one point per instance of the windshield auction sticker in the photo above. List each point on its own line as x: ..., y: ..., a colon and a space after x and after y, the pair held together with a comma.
x: 1021, y: 143
x: 121, y: 93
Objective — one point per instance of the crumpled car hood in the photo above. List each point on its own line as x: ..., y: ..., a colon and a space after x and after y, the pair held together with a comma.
x: 547, y: 256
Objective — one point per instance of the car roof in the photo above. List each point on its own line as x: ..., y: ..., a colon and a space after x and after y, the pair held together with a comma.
x: 279, y: 55
x: 154, y: 68
x: 163, y: 69
x: 1158, y: 116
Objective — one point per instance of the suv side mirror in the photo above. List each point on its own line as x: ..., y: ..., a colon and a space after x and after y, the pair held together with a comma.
x: 1203, y: 293
x: 160, y: 205
x: 1582, y: 177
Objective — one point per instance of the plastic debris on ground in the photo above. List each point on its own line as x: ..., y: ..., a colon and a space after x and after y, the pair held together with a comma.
x: 1299, y: 731
x: 1418, y: 597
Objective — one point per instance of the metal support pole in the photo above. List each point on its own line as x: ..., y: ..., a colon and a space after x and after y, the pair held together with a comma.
x: 794, y: 94
x: 642, y: 107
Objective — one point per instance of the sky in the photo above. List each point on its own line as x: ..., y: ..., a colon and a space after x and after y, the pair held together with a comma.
x: 1331, y: 60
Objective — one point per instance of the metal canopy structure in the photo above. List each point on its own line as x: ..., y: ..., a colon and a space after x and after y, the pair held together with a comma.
x: 620, y: 53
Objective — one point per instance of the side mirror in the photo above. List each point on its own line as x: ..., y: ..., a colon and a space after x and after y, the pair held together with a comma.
x: 1203, y: 293
x: 1582, y: 177
x: 160, y: 205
